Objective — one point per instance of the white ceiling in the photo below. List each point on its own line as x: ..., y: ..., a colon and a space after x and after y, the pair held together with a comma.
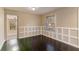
x: 38, y: 11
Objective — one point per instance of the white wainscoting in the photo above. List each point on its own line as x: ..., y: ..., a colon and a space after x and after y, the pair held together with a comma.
x: 63, y: 34
x: 28, y: 31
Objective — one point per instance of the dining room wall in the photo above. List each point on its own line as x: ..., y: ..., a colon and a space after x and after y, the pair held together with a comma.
x: 66, y: 29
x: 2, y: 39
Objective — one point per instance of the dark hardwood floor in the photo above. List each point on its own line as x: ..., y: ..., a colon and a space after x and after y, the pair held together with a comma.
x: 41, y: 43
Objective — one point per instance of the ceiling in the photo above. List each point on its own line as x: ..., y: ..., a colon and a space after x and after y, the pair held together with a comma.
x: 38, y: 11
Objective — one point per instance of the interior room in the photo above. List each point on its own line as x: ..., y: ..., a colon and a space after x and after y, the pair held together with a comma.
x: 39, y: 29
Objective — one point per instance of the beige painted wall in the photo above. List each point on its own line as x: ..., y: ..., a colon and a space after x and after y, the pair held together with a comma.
x: 26, y: 19
x: 78, y: 23
x: 29, y: 19
x: 1, y: 27
x: 65, y: 17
